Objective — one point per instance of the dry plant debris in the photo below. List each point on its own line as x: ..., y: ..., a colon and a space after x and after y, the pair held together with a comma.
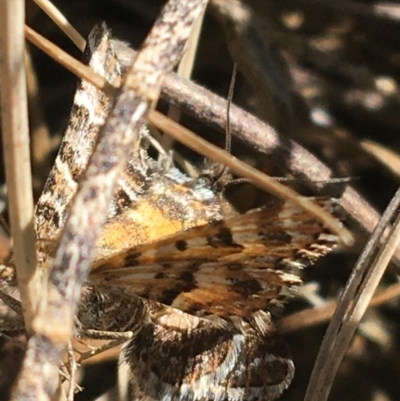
x: 323, y: 75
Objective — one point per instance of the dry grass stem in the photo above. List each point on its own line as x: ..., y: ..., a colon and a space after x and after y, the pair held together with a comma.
x: 16, y: 153
x: 353, y: 303
x: 389, y: 158
x: 258, y: 178
x: 389, y: 10
x: 69, y: 62
x: 311, y: 317
x: 56, y: 15
x: 53, y: 324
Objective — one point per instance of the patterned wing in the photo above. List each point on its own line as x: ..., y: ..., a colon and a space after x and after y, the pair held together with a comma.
x: 88, y: 113
x: 247, y: 263
x: 150, y: 202
x: 207, y: 358
x: 235, y: 360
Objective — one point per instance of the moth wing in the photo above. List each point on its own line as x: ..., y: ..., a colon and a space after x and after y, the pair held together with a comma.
x: 232, y: 267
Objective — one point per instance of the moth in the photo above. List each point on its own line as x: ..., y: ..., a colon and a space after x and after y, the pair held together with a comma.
x: 194, y: 287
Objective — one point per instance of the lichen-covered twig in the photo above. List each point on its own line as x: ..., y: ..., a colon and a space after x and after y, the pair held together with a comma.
x: 53, y: 324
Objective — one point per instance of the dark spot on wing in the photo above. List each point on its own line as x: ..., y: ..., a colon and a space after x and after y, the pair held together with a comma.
x: 181, y: 245
x: 247, y: 287
x: 187, y: 277
x: 168, y: 296
x: 279, y: 237
x: 221, y: 239
x: 132, y: 259
x: 185, y: 282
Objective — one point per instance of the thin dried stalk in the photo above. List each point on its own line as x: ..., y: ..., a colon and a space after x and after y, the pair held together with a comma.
x: 69, y: 62
x: 353, y: 303
x: 16, y: 153
x: 185, y: 66
x: 56, y: 15
x: 53, y: 324
x: 388, y: 10
x: 258, y: 178
x: 311, y: 317
x: 386, y: 156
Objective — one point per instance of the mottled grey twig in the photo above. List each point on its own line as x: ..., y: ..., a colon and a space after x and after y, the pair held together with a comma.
x: 53, y: 324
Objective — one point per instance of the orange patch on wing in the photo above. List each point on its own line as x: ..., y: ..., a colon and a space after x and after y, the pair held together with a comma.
x: 145, y: 223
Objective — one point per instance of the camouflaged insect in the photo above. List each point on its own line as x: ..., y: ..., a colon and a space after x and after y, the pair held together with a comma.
x: 193, y: 286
